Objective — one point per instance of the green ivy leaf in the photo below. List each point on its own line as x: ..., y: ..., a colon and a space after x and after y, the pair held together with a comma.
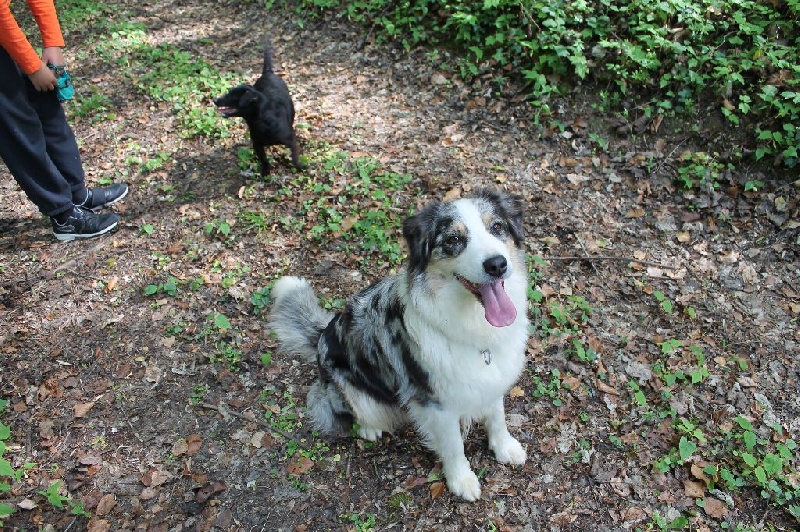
x: 5, y: 468
x: 749, y: 459
x: 640, y: 398
x: 222, y: 321
x: 746, y: 425
x: 773, y: 464
x: 749, y: 440
x: 686, y: 448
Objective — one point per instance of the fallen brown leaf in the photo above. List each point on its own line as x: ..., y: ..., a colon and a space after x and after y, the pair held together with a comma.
x: 714, y: 507
x: 111, y: 284
x: 605, y: 388
x: 179, y: 448
x: 155, y: 477
x: 207, y: 490
x: 693, y: 489
x: 105, y: 505
x: 414, y: 482
x: 436, y: 489
x: 81, y: 409
x: 301, y: 465
x: 194, y: 443
x: 515, y: 392
x: 98, y: 525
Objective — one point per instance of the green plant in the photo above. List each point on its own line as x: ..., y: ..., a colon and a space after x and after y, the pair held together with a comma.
x: 663, y: 301
x: 257, y: 221
x: 7, y: 472
x: 699, y: 169
x: 550, y: 388
x: 260, y: 299
x: 335, y: 303
x: 565, y: 318
x: 679, y: 523
x: 221, y: 228
x: 57, y: 500
x: 582, y: 352
x: 738, y: 457
x: 198, y: 393
x: 281, y: 413
x: 352, y: 205
x: 361, y: 523
x: 169, y: 287
x: 669, y: 56
x: 95, y: 106
x: 230, y: 354
x: 219, y: 321
x: 181, y: 78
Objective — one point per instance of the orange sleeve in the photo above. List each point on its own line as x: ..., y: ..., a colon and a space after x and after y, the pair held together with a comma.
x: 14, y: 41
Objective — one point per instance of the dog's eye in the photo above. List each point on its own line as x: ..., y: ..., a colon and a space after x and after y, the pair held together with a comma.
x: 453, y: 240
x: 498, y: 227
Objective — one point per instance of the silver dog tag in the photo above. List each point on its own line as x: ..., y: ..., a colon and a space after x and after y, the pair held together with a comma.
x: 487, y: 356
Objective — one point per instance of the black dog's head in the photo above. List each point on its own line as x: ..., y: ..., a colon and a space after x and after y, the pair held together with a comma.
x: 242, y: 100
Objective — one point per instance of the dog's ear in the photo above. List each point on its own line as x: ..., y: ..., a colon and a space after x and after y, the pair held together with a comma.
x: 509, y: 207
x: 249, y: 97
x: 420, y: 234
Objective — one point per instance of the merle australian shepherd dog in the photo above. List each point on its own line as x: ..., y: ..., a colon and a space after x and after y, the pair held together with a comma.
x: 267, y: 109
x: 437, y: 345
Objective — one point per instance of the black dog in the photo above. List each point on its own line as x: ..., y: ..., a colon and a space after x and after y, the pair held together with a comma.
x: 268, y: 110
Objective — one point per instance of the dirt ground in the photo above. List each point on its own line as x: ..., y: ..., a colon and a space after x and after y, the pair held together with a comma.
x: 116, y: 392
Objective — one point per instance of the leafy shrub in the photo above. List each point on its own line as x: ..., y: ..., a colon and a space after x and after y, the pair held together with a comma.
x: 742, y: 53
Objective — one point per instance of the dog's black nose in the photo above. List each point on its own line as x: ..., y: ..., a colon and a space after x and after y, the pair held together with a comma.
x: 495, y: 266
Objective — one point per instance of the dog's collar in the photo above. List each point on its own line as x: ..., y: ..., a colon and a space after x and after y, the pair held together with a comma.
x: 487, y: 356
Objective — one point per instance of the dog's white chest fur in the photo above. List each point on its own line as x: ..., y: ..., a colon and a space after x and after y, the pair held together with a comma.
x: 453, y: 349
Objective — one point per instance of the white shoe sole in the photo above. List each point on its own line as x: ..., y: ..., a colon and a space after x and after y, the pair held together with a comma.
x: 69, y: 237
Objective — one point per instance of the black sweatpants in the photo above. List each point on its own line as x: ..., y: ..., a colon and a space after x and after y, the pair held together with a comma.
x: 37, y: 144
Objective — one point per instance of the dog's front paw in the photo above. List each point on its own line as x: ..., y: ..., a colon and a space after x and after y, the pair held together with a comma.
x: 509, y: 451
x: 464, y: 484
x: 369, y: 433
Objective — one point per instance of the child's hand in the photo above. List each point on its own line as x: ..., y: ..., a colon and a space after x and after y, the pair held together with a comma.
x: 53, y: 55
x: 43, y: 79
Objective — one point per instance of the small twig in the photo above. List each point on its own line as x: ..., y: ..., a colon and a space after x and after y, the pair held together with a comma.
x: 347, y: 476
x: 71, y: 523
x: 224, y: 411
x: 586, y: 254
x: 135, y: 432
x: 83, y: 275
x: 82, y: 253
x: 623, y: 259
x: 667, y: 158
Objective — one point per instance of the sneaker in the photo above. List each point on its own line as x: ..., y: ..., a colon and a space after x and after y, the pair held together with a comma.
x: 83, y: 223
x: 104, y: 196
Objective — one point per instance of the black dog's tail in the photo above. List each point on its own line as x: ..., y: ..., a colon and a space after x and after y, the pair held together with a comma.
x: 296, y: 317
x: 267, y: 58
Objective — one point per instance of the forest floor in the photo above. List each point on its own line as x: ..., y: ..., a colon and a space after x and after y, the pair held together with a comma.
x: 662, y: 372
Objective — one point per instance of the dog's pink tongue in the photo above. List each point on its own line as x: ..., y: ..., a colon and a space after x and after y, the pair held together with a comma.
x: 498, y: 308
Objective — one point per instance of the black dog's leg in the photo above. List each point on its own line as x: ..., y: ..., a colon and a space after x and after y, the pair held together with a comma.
x: 258, y: 148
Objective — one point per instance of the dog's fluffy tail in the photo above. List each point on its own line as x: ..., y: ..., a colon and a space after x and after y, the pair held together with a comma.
x: 296, y: 317
x: 267, y: 58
